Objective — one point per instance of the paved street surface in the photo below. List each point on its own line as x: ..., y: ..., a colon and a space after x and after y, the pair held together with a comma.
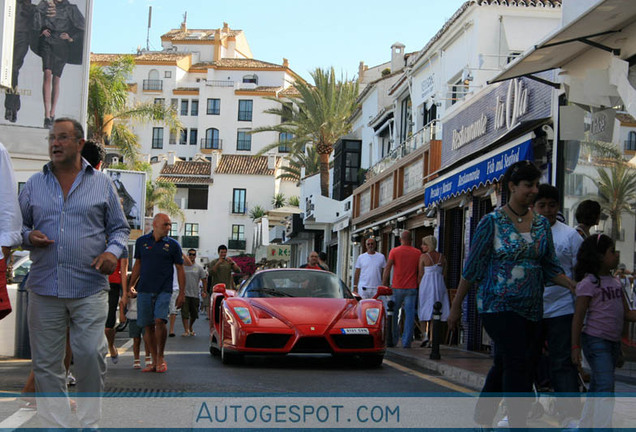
x: 410, y: 390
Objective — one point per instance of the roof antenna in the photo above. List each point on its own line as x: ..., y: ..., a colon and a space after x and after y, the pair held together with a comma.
x: 148, y: 32
x: 184, y: 26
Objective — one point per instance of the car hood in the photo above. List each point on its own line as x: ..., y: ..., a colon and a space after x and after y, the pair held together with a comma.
x: 304, y: 310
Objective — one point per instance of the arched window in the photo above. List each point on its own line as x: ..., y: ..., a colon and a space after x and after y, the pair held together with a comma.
x: 153, y: 74
x: 630, y: 144
x: 154, y: 82
x: 283, y: 146
x: 211, y: 140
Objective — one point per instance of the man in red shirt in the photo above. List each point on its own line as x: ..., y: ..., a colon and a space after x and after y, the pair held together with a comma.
x: 312, y: 262
x: 405, y: 259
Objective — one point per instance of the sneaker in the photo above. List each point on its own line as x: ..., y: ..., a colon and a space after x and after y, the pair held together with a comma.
x: 503, y: 422
x: 70, y: 379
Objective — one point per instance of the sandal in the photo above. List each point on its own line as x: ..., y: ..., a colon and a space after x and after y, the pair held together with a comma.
x: 150, y: 368
x: 115, y: 358
x: 192, y: 333
x: 136, y: 364
x: 185, y: 334
x: 163, y: 367
x: 148, y: 361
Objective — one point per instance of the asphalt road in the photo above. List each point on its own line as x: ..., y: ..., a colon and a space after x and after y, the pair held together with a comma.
x: 194, y: 377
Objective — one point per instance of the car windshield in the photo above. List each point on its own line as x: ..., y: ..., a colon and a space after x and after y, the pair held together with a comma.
x: 295, y: 283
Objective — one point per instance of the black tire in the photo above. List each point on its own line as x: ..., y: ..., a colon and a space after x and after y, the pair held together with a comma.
x: 372, y: 361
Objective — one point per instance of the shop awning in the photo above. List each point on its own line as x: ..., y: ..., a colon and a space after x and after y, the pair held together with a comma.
x: 484, y: 170
x: 563, y: 45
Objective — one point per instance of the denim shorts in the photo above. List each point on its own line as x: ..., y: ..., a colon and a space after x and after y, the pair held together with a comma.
x: 173, y: 302
x: 134, y: 331
x: 151, y: 307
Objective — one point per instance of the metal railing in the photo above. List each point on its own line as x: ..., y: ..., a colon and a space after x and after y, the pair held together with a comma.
x: 412, y: 143
x: 238, y: 207
x: 236, y: 244
x: 219, y: 83
x: 153, y: 84
x: 211, y: 143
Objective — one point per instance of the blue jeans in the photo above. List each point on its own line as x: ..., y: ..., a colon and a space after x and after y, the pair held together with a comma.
x: 151, y: 307
x: 557, y: 331
x: 602, y: 356
x: 408, y: 297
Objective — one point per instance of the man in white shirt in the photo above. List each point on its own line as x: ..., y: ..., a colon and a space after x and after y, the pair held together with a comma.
x: 558, y: 307
x: 368, y: 271
x: 10, y: 223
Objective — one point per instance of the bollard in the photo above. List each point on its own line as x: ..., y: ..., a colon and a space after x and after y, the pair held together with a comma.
x: 437, y: 317
x: 389, y: 321
x: 22, y: 349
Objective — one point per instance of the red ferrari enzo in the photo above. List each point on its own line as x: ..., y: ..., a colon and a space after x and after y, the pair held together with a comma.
x: 296, y: 311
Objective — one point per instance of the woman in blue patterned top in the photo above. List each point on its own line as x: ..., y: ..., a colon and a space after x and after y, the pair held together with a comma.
x: 512, y: 256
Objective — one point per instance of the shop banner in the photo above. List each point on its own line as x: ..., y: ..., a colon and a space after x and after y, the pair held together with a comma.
x: 479, y: 174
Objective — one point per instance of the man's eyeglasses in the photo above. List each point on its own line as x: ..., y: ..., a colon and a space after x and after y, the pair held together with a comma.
x: 191, y: 254
x: 61, y: 138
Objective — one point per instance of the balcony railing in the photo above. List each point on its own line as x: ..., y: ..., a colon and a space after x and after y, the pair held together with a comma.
x: 190, y: 242
x: 412, y: 143
x: 236, y: 244
x: 153, y: 84
x: 219, y: 83
x: 211, y: 143
x: 238, y: 207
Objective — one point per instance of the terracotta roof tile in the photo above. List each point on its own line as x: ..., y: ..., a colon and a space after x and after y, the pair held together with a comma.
x: 186, y: 180
x: 145, y: 56
x: 196, y: 34
x: 187, y: 168
x: 238, y: 63
x: 626, y: 119
x: 244, y: 164
x: 289, y: 91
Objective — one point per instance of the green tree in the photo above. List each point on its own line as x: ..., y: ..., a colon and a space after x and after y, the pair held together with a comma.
x: 161, y: 194
x: 318, y: 115
x: 615, y: 180
x: 294, y: 201
x: 310, y: 160
x: 109, y: 114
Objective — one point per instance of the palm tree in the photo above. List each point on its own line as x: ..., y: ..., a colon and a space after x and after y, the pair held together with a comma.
x: 319, y: 115
x: 161, y: 194
x: 279, y: 200
x: 616, y: 192
x: 310, y: 160
x: 109, y: 115
x: 257, y: 212
x: 615, y: 180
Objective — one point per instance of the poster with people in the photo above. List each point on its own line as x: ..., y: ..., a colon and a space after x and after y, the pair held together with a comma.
x: 50, y: 63
x: 131, y: 188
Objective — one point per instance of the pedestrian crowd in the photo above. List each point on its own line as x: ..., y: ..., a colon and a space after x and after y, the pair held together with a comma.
x: 546, y: 292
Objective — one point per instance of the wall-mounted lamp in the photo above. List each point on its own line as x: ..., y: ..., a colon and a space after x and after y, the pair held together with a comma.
x: 401, y: 219
x: 465, y: 200
x: 432, y: 211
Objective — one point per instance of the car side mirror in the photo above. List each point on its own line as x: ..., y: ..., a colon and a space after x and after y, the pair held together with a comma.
x: 383, y: 291
x: 219, y: 288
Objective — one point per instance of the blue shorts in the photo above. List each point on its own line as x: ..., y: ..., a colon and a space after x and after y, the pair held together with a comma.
x: 134, y: 331
x: 151, y: 307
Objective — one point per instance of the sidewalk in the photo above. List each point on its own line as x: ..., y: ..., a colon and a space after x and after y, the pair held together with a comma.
x: 469, y: 368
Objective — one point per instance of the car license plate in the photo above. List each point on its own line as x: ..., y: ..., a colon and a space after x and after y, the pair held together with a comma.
x: 355, y: 331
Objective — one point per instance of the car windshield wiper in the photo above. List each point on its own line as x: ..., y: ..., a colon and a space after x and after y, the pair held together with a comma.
x: 273, y: 292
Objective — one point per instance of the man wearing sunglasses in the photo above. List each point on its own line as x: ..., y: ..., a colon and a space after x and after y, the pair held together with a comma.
x: 196, y: 281
x: 368, y: 274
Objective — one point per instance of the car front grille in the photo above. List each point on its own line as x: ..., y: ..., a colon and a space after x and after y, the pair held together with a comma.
x: 266, y: 340
x: 353, y: 341
x: 312, y: 344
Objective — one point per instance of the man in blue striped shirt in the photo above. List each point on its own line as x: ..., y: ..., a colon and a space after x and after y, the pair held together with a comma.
x: 76, y: 230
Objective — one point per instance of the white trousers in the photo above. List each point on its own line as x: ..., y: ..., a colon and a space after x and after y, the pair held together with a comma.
x: 48, y: 318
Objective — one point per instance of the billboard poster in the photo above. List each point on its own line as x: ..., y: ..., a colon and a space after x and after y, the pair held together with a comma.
x: 131, y: 188
x: 50, y: 63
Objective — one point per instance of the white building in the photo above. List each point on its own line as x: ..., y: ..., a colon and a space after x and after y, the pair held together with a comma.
x: 220, y: 93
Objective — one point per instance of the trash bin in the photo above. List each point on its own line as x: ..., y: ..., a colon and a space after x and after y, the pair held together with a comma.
x: 22, y: 346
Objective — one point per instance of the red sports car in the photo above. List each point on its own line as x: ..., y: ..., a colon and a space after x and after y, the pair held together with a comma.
x: 299, y: 311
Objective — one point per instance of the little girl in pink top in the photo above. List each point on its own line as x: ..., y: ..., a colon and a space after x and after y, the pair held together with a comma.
x: 597, y: 325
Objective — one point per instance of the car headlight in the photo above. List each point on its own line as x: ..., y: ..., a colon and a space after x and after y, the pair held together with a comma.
x: 372, y: 315
x: 244, y: 314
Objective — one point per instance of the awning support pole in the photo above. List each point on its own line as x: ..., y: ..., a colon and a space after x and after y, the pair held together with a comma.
x: 544, y: 81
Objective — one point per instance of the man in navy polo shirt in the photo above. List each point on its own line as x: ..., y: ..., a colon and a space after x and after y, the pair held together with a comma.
x: 155, y: 255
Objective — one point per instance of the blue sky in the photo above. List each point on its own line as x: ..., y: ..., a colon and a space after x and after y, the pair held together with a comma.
x: 338, y: 33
